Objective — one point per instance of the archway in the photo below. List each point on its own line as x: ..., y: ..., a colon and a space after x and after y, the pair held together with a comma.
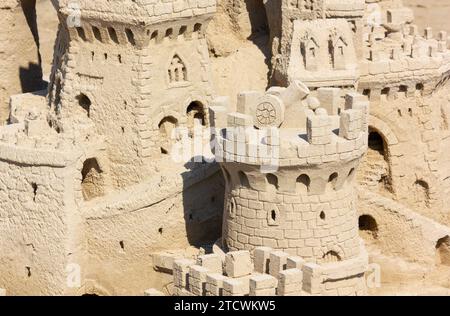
x: 368, y: 227
x: 443, y: 251
x: 166, y: 130
x: 331, y: 256
x: 85, y: 103
x: 422, y: 194
x: 272, y: 182
x: 92, y: 180
x: 332, y: 181
x: 196, y: 114
x: 375, y: 168
x: 302, y: 184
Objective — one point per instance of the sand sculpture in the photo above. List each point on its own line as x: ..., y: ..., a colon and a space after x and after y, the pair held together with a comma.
x: 341, y: 161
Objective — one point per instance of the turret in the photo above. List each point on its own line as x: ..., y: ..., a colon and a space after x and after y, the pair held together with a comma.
x: 291, y: 187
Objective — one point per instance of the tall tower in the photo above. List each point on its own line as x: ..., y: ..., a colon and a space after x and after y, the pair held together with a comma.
x: 134, y: 70
x: 290, y: 162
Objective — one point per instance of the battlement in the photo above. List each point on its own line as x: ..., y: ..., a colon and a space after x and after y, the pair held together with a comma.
x: 139, y: 22
x: 139, y: 12
x: 290, y: 125
x: 344, y: 9
x: 32, y: 141
x: 266, y: 272
x: 404, y: 62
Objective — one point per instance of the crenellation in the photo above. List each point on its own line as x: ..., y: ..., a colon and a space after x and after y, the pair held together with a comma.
x: 296, y: 277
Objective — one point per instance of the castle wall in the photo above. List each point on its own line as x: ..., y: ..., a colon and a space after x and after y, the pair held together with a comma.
x: 121, y: 234
x: 399, y: 231
x: 35, y: 252
x: 415, y: 137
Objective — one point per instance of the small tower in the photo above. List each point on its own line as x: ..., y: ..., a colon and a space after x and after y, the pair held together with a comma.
x: 292, y: 189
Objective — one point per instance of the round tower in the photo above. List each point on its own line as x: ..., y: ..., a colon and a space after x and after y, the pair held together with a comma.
x: 290, y: 160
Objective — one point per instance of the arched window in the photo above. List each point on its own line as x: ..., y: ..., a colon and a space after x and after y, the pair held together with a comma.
x: 196, y: 114
x: 85, y: 103
x: 303, y: 183
x: 81, y: 33
x: 332, y: 181
x: 368, y: 227
x: 154, y: 35
x: 331, y: 256
x: 92, y: 180
x: 197, y: 27
x: 113, y: 35
x: 177, y: 70
x: 166, y: 129
x: 243, y: 179
x: 422, y: 193
x: 130, y: 36
x: 272, y: 182
x: 443, y: 251
x: 183, y: 30
x: 97, y: 34
x: 403, y: 89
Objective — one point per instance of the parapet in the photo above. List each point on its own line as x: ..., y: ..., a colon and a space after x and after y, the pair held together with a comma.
x: 404, y: 62
x: 31, y: 140
x: 266, y: 272
x: 290, y: 125
x: 344, y: 9
x: 139, y: 12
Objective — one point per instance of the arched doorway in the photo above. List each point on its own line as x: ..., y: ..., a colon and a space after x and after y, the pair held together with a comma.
x: 375, y: 168
x: 368, y: 228
x: 443, y: 251
x: 92, y: 179
x: 421, y: 194
x: 85, y: 104
x: 196, y: 115
x: 166, y: 130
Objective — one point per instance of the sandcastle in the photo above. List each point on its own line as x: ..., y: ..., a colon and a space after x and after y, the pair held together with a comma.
x: 348, y: 141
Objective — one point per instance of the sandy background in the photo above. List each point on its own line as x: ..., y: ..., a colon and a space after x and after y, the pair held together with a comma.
x: 434, y: 13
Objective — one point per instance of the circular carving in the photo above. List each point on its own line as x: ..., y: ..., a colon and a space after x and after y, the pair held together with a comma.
x: 269, y: 112
x: 266, y: 113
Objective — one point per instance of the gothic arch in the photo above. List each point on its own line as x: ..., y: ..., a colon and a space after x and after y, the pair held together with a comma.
x: 177, y: 70
x: 164, y: 114
x: 96, y: 155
